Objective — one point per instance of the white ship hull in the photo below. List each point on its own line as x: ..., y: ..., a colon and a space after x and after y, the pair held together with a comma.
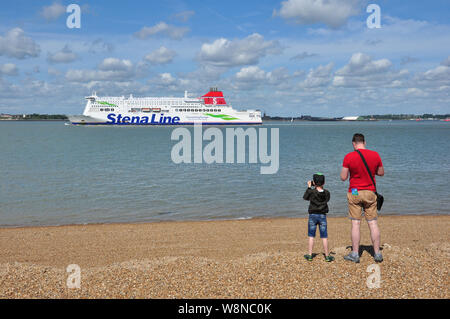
x: 210, y: 109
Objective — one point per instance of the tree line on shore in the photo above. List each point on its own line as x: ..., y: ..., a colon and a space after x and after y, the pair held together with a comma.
x: 406, y: 116
x: 425, y: 116
x: 34, y: 116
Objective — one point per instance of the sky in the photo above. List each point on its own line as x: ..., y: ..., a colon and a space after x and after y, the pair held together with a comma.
x: 286, y: 58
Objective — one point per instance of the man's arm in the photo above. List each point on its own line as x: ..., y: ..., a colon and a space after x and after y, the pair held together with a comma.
x: 380, y: 171
x: 344, y: 173
x: 380, y: 168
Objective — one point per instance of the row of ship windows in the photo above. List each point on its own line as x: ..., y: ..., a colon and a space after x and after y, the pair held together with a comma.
x: 153, y: 103
x: 143, y: 103
x: 198, y: 110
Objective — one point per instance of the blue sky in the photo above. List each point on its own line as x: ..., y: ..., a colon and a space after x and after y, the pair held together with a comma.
x: 287, y: 57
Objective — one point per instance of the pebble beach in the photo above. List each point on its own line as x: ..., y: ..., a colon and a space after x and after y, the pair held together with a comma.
x: 255, y: 258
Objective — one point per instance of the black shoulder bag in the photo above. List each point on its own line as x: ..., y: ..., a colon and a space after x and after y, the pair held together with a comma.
x: 380, y: 198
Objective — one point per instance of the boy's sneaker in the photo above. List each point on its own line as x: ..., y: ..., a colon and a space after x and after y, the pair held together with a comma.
x: 329, y: 258
x: 378, y: 257
x: 352, y: 257
x: 308, y: 257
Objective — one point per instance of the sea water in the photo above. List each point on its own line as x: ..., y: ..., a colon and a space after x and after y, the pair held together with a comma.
x: 54, y: 174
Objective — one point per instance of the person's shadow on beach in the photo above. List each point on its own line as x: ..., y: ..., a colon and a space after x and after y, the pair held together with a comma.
x: 363, y: 248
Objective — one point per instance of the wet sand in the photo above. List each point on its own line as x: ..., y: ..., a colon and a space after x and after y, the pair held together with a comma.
x: 257, y: 258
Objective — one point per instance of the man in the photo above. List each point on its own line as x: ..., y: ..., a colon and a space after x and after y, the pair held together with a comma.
x: 361, y: 194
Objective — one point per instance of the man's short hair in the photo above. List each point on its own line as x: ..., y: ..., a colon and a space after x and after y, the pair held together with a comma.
x: 358, y: 138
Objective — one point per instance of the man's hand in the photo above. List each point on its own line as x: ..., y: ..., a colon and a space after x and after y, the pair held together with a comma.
x: 380, y: 171
x: 344, y: 173
x: 309, y: 184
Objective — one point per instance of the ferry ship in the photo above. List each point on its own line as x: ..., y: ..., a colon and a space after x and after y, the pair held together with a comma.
x: 210, y: 109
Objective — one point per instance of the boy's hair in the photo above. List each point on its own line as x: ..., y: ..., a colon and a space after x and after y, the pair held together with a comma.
x: 319, y: 179
x: 358, y: 138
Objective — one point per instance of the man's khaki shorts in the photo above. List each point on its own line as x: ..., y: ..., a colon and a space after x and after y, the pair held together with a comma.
x: 365, y: 200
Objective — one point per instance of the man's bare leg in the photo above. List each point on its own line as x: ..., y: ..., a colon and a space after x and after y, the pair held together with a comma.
x: 375, y: 235
x: 356, y: 235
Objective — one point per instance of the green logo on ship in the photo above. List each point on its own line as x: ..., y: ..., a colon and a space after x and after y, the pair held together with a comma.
x: 222, y: 116
x: 106, y: 103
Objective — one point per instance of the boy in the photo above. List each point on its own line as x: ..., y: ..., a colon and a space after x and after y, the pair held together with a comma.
x: 318, y: 208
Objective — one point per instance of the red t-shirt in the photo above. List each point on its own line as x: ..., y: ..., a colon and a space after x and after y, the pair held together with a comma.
x: 359, y: 178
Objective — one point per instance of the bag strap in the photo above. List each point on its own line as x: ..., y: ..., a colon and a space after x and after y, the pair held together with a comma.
x: 368, y: 170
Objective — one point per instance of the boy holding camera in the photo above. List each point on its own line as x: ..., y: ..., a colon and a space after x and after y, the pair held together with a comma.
x: 318, y: 198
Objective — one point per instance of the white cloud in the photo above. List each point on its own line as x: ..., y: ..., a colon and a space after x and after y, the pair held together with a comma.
x: 253, y: 77
x: 82, y: 75
x: 441, y: 72
x: 362, y: 64
x: 95, y: 75
x: 363, y: 71
x: 53, y: 11
x: 434, y: 78
x: 166, y: 78
x: 225, y: 53
x: 184, y: 16
x: 279, y: 76
x: 446, y: 62
x: 15, y: 44
x: 403, y: 26
x: 171, y: 31
x: 251, y: 73
x: 54, y: 72
x: 114, y: 64
x: 318, y: 77
x: 162, y: 55
x: 8, y: 69
x: 110, y: 69
x: 99, y: 45
x: 415, y: 92
x: 166, y: 82
x: 206, y: 73
x: 333, y: 13
x: 64, y: 56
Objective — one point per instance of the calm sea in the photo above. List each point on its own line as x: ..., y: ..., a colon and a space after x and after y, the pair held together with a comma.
x: 53, y: 174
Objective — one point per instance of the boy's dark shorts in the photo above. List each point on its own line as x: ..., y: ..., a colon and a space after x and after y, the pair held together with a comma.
x: 314, y: 220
